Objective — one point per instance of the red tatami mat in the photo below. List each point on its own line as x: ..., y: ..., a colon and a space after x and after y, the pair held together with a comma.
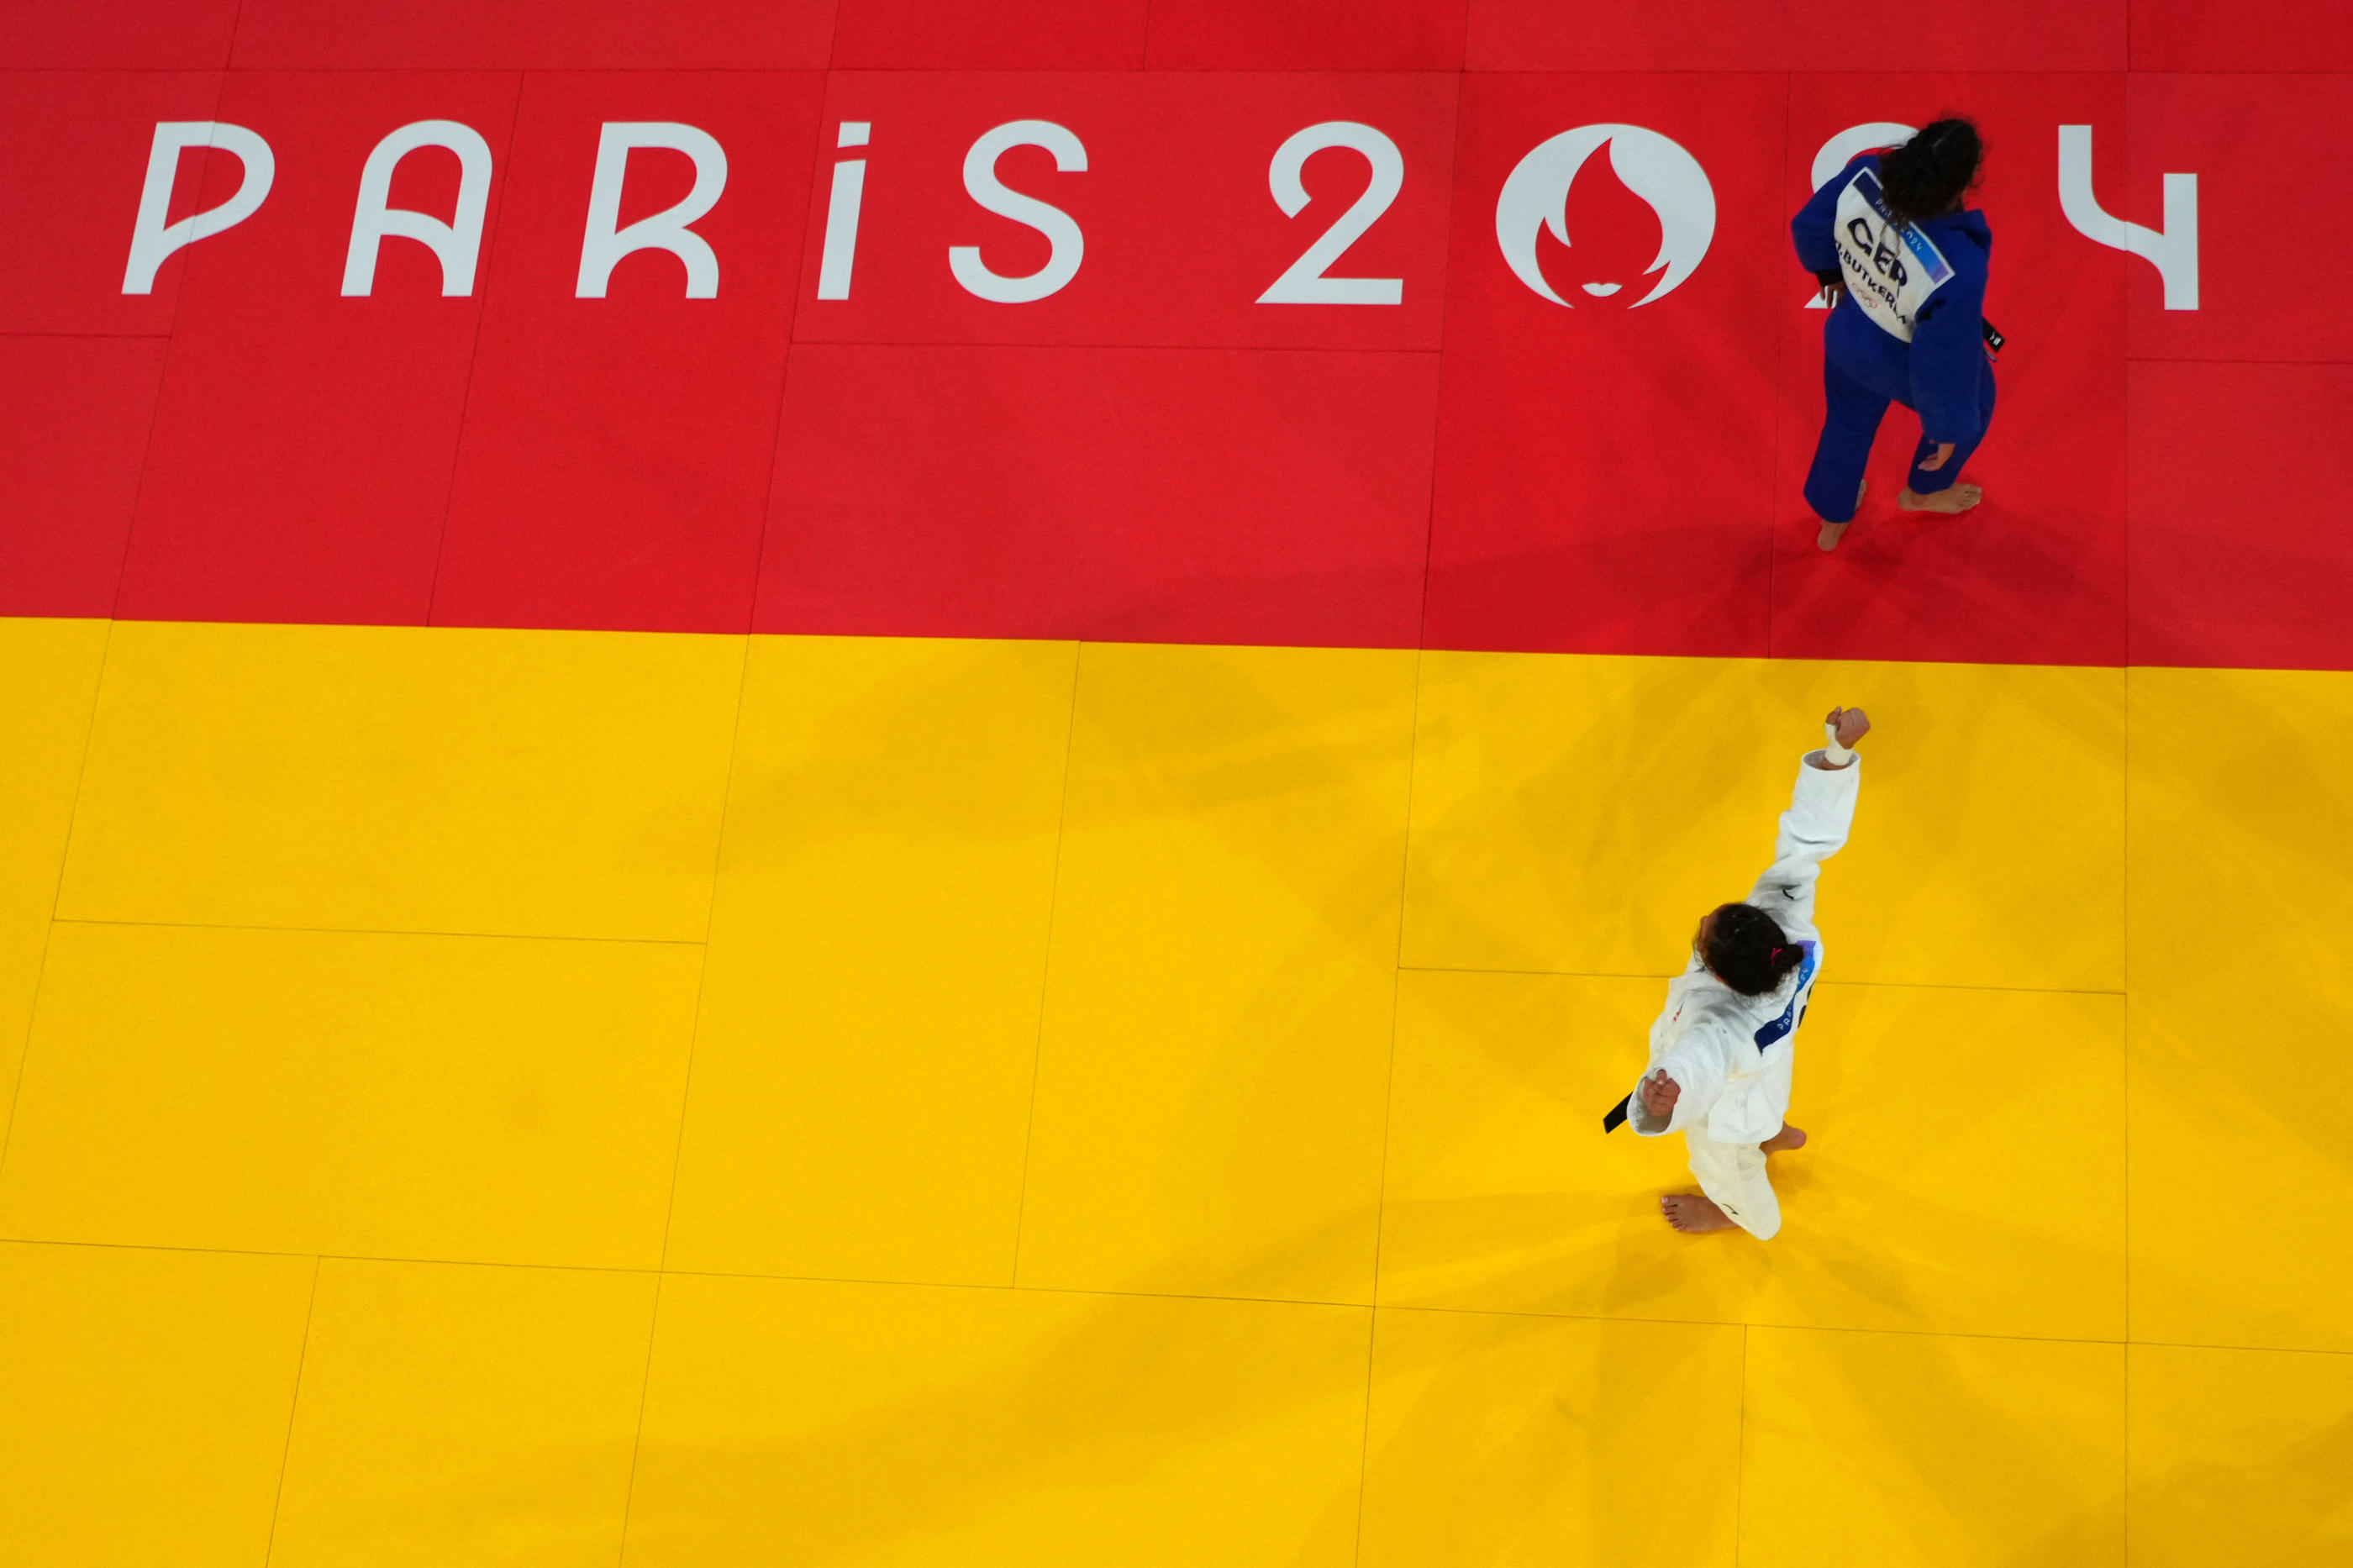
x: 2241, y: 554
x: 1005, y: 34
x: 1605, y: 466
x: 350, y: 405
x: 535, y: 35
x: 614, y: 462
x: 74, y: 416
x: 1142, y: 495
x: 1436, y: 432
x: 154, y: 35
x: 1307, y: 35
x: 2249, y: 36
x: 2253, y: 142
x: 75, y: 145
x: 1799, y: 35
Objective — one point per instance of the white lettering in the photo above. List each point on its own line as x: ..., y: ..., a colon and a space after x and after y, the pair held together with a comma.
x: 1304, y: 283
x: 980, y: 179
x: 841, y: 213
x: 603, y: 245
x: 2173, y: 249
x: 151, y: 240
x: 458, y: 244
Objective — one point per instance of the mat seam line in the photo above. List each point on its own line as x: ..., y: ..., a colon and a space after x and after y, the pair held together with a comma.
x: 1388, y: 1106
x: 1862, y: 984
x: 1111, y: 70
x: 1773, y: 483
x: 811, y: 223
x: 2151, y: 665
x: 1740, y: 1448
x: 686, y: 1088
x: 375, y: 931
x: 57, y: 893
x: 993, y: 345
x: 1324, y: 1304
x: 1046, y: 968
x: 163, y: 374
x: 779, y: 70
x: 293, y: 1408
x: 852, y: 69
x: 638, y: 1438
x: 769, y: 508
x: 473, y: 356
x: 2204, y: 358
x: 703, y: 971
x: 1364, y: 1424
x: 1438, y: 408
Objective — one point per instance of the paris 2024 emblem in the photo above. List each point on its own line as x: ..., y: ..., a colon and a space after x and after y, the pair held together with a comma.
x: 1651, y: 165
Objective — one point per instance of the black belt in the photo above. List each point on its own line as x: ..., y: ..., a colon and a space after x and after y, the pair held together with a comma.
x: 1616, y: 1116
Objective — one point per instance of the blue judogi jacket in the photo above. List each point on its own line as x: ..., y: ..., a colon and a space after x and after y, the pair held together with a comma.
x: 1937, y: 372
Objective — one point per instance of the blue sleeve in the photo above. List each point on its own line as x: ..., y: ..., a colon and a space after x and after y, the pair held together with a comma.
x: 1817, y: 251
x: 1948, y: 357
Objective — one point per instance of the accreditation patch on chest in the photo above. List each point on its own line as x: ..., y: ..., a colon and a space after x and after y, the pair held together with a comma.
x: 1890, y: 269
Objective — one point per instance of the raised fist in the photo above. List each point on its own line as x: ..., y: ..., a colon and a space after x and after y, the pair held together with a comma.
x: 1852, y: 725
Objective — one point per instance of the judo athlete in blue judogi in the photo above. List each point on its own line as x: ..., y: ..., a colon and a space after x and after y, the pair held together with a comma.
x: 1904, y: 265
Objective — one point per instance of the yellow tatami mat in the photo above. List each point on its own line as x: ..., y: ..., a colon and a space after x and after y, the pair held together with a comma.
x: 525, y: 1098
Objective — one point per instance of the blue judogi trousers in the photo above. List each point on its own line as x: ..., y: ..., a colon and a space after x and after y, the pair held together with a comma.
x: 1856, y: 411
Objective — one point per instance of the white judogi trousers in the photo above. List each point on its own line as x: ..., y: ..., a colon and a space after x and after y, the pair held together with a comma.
x: 1733, y: 1176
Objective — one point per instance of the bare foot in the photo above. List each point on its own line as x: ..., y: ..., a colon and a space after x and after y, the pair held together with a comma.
x: 1784, y: 1141
x: 1958, y: 498
x: 1690, y: 1213
x: 1832, y: 532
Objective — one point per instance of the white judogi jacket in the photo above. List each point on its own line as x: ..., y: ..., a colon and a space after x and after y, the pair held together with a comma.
x: 1732, y: 1055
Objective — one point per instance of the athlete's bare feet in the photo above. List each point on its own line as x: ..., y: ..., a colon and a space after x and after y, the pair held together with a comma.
x: 1784, y: 1141
x: 1691, y: 1213
x: 1833, y: 531
x: 1958, y: 498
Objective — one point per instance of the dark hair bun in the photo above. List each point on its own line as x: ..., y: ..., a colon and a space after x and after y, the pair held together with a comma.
x: 1924, y: 177
x: 1747, y: 949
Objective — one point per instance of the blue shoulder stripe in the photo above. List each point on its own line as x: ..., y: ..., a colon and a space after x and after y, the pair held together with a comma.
x: 1795, y: 1012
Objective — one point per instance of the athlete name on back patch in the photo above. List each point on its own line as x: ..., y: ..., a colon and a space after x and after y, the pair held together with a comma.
x: 1891, y: 270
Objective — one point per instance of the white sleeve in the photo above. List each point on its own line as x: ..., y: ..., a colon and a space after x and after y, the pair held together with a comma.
x: 1814, y: 828
x: 1696, y: 1063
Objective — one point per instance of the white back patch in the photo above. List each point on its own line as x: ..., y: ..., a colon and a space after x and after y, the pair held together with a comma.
x: 1890, y: 270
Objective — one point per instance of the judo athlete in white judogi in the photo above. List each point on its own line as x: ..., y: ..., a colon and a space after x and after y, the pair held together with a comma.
x: 1722, y: 1048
